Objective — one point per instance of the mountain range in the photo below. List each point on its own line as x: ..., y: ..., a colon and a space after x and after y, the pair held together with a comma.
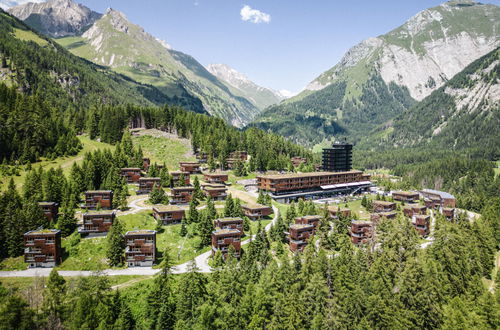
x: 381, y: 77
x: 372, y: 96
x: 111, y: 40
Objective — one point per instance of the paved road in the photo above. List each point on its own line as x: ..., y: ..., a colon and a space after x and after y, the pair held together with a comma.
x: 201, y: 262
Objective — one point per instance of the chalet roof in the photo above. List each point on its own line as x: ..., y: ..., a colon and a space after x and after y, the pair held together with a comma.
x: 448, y: 209
x: 385, y: 214
x: 101, y: 212
x: 229, y: 219
x: 189, y: 163
x: 47, y: 203
x: 208, y: 188
x: 310, y: 217
x: 335, y: 208
x: 140, y: 232
x: 386, y: 203
x: 226, y: 231
x: 442, y: 194
x: 150, y: 179
x: 422, y: 216
x: 301, y: 226
x: 167, y: 208
x: 183, y: 188
x: 98, y: 192
x: 255, y: 206
x: 362, y: 222
x: 179, y: 172
x: 43, y: 232
x: 215, y: 174
x: 406, y: 193
x: 130, y: 169
x: 306, y: 175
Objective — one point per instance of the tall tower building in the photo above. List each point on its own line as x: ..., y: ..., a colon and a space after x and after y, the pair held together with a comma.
x: 338, y: 158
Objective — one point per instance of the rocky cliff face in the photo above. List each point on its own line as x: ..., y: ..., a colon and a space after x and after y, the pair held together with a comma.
x: 426, y: 51
x: 261, y: 97
x: 412, y: 60
x: 56, y: 18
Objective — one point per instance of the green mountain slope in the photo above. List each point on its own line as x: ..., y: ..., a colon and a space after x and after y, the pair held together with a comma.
x: 126, y: 48
x: 381, y: 77
x: 38, y: 65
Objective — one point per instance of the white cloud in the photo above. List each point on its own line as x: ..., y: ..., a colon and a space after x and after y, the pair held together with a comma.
x: 253, y: 15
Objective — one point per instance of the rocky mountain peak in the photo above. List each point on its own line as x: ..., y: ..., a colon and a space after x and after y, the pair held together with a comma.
x: 118, y: 20
x: 56, y: 18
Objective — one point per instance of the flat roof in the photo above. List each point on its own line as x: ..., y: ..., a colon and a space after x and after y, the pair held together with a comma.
x: 167, y: 208
x: 150, y: 178
x: 305, y: 175
x: 383, y: 202
x: 189, y: 163
x: 46, y: 203
x: 229, y: 219
x: 140, y: 232
x: 335, y: 208
x: 422, y: 216
x: 131, y: 169
x: 179, y: 172
x: 98, y: 191
x: 226, y: 231
x: 207, y: 188
x: 101, y: 212
x: 300, y: 226
x: 408, y: 193
x: 309, y: 217
x: 348, y: 184
x: 255, y: 206
x: 183, y: 188
x: 448, y: 209
x: 43, y: 232
x: 214, y: 173
x: 443, y: 194
x: 361, y: 222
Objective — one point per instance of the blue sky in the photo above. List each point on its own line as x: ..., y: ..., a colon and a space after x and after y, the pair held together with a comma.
x: 285, y: 46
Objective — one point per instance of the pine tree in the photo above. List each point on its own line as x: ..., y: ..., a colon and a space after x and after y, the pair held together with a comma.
x: 228, y: 206
x: 115, y: 244
x: 183, y: 231
x: 191, y: 294
x: 158, y: 196
x: 197, y: 194
x: 237, y: 211
x: 205, y: 228
x: 54, y: 296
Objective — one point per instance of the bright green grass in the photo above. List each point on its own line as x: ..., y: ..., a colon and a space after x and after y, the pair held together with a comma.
x: 13, y: 264
x: 233, y: 179
x: 64, y: 162
x: 182, y: 249
x: 89, y: 254
x: 29, y: 36
x: 497, y: 169
x: 22, y: 283
x: 163, y: 150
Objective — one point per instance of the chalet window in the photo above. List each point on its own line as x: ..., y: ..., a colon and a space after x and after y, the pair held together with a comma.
x: 236, y: 239
x: 50, y: 240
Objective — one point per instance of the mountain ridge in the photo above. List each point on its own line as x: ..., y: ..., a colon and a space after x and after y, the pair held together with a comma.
x: 380, y: 77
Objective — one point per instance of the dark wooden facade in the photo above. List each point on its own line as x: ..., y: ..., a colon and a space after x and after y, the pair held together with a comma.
x: 436, y: 198
x: 383, y: 206
x: 50, y: 210
x: 309, y: 220
x: 176, y: 177
x: 215, y: 177
x: 376, y: 217
x: 181, y: 195
x: 216, y: 192
x: 146, y: 185
x: 406, y: 196
x: 191, y: 167
x: 229, y: 223
x: 297, y: 161
x: 414, y: 209
x: 168, y: 214
x: 42, y: 248
x: 361, y: 231
x: 104, y: 198
x: 336, y: 211
x: 422, y: 224
x: 298, y: 236
x: 222, y: 239
x: 140, y: 248
x: 131, y: 174
x: 96, y: 222
x: 256, y: 211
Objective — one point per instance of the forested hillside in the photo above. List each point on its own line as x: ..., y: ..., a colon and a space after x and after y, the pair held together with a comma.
x: 35, y: 64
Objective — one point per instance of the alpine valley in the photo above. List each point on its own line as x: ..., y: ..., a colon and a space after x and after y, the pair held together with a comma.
x: 382, y: 77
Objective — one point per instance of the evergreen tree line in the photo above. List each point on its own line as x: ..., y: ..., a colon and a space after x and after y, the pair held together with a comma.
x: 394, y: 284
x: 209, y: 135
x: 32, y: 129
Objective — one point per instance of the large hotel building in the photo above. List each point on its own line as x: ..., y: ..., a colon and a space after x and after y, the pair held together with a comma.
x: 290, y: 187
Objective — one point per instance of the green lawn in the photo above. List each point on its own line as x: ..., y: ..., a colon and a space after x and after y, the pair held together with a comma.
x: 163, y: 150
x: 13, y: 264
x: 64, y: 162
